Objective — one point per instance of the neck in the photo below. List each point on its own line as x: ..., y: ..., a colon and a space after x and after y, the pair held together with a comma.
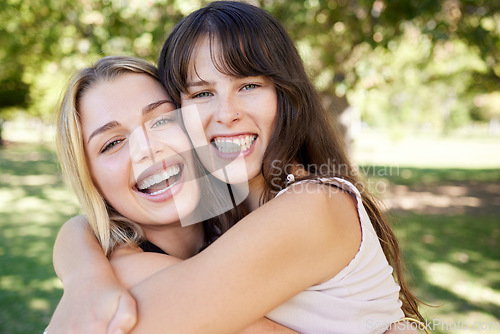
x: 176, y: 240
x: 256, y: 188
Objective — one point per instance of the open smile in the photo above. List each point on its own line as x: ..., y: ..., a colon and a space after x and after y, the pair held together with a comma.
x: 231, y: 145
x: 160, y: 182
x: 157, y: 184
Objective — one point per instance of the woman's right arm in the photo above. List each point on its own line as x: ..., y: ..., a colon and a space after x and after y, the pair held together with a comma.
x: 92, y: 294
x: 132, y: 265
x: 95, y: 287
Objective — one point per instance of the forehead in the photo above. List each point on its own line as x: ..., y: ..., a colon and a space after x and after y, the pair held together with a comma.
x: 210, y: 54
x: 203, y: 57
x: 232, y: 56
x: 119, y: 98
x: 123, y: 85
x: 125, y: 91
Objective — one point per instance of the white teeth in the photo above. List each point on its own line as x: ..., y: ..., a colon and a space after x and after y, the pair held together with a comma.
x: 159, y: 177
x: 228, y: 145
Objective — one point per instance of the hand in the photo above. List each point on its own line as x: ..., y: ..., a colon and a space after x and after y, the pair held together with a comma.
x: 98, y: 309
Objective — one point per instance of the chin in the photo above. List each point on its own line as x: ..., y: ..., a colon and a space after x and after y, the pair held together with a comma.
x: 232, y: 177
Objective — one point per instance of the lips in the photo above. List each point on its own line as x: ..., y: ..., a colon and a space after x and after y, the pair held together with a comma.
x: 233, y: 144
x: 159, y: 179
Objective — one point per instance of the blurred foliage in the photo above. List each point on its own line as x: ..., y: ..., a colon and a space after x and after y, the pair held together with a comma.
x: 431, y: 63
x: 400, y: 62
x: 45, y: 41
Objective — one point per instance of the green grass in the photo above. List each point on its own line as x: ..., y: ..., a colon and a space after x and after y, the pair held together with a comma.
x: 455, y: 264
x: 428, y: 150
x: 455, y: 259
x: 34, y: 203
x: 412, y: 176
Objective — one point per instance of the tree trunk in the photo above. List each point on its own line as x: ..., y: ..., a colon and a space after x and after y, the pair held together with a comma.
x: 494, y: 126
x: 346, y: 118
x: 1, y: 129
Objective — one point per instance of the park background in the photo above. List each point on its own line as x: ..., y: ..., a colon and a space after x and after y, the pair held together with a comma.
x: 414, y: 83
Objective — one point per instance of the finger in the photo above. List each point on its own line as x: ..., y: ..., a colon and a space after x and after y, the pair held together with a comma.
x: 125, y: 317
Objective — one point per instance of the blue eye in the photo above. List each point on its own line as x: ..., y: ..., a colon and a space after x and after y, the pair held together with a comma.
x: 111, y: 145
x: 161, y: 121
x: 249, y: 86
x: 202, y: 95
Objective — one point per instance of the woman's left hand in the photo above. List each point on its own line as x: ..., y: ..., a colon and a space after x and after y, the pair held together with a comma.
x: 114, y: 312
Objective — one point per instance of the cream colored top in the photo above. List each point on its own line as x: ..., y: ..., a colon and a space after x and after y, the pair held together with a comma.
x: 362, y: 298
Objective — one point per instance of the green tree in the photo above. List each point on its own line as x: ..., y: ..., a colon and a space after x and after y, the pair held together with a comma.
x: 353, y: 45
x: 45, y: 41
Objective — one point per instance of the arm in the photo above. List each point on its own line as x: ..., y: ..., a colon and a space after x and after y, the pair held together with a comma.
x: 87, y: 276
x: 131, y: 266
x: 239, y: 278
x: 92, y: 294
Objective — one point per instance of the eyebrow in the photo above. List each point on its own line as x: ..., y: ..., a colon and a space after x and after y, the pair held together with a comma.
x: 199, y: 83
x: 108, y: 126
x: 152, y: 106
x: 102, y: 129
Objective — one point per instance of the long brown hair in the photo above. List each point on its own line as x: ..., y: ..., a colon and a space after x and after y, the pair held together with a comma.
x: 254, y: 43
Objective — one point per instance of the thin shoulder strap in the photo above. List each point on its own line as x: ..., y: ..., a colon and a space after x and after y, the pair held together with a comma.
x: 334, y: 181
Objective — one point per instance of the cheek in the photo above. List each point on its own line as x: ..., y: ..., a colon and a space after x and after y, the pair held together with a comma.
x: 109, y: 174
x: 267, y: 117
x: 272, y: 119
x: 172, y: 139
x: 182, y: 142
x: 196, y: 124
x: 190, y: 169
x: 274, y: 113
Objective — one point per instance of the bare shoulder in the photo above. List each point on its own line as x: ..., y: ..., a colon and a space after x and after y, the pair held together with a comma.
x: 327, y: 206
x: 314, y: 224
x: 132, y: 265
x: 79, y: 219
x: 323, y: 193
x: 76, y: 225
x: 324, y: 218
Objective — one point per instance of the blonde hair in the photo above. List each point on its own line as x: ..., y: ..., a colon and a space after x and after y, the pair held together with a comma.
x: 110, y: 228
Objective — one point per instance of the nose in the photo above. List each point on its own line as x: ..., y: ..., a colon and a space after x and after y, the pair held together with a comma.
x: 142, y: 146
x: 228, y: 110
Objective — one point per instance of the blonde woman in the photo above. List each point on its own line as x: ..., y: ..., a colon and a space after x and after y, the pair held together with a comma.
x: 126, y: 155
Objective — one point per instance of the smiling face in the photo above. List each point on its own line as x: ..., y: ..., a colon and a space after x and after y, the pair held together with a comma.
x: 234, y: 115
x: 138, y: 155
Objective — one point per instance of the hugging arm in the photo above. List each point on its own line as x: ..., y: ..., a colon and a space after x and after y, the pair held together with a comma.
x: 91, y: 289
x: 96, y: 299
x: 274, y: 253
x: 131, y: 266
